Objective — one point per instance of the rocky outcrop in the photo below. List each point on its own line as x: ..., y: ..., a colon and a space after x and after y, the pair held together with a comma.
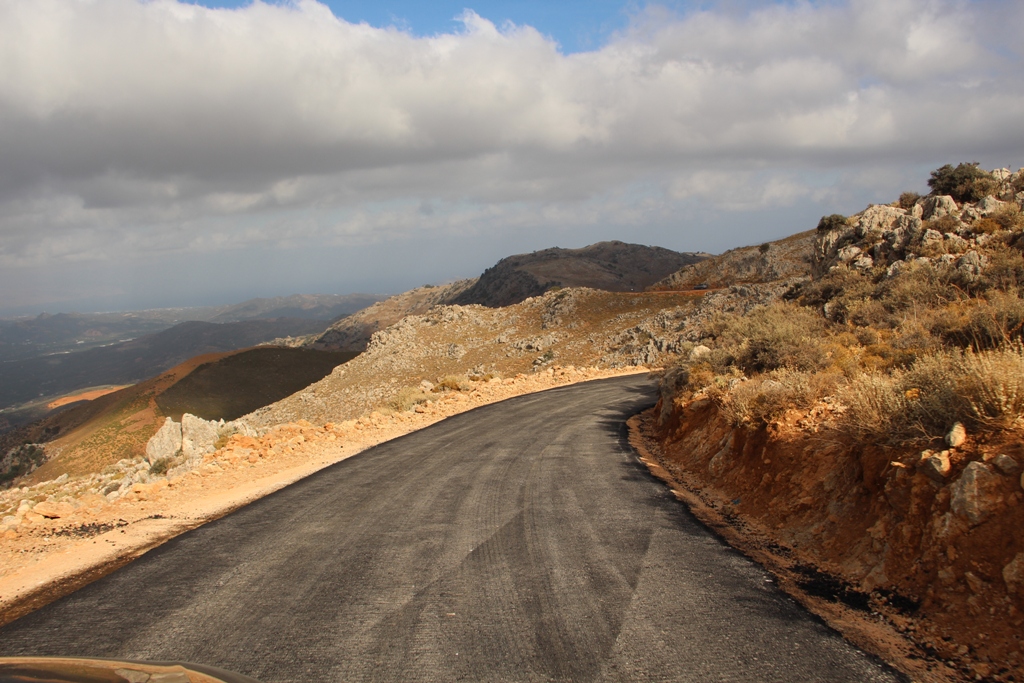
x: 181, y: 445
x: 935, y: 229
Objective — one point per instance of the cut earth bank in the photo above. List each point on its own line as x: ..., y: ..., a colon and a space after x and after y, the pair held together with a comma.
x: 921, y: 567
x: 67, y: 535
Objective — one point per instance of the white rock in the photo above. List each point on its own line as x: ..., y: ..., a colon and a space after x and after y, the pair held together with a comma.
x: 957, y: 435
x: 699, y: 351
x: 166, y: 443
x: 197, y: 436
x: 936, y: 466
x: 990, y: 205
x: 937, y: 207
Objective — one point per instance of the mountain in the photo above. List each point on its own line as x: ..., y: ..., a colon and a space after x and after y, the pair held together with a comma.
x: 131, y: 361
x: 610, y: 266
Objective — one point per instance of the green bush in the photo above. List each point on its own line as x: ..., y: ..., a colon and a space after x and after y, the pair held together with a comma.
x: 832, y: 222
x: 965, y: 183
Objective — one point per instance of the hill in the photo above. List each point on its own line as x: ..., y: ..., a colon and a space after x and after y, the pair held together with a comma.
x: 132, y: 361
x: 610, y: 266
x: 86, y: 437
x: 868, y: 423
x: 768, y: 262
x: 353, y: 332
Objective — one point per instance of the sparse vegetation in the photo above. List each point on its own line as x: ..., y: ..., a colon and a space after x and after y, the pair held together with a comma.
x: 831, y: 222
x: 20, y: 460
x: 965, y: 183
x: 909, y: 351
x: 408, y: 398
x: 908, y: 199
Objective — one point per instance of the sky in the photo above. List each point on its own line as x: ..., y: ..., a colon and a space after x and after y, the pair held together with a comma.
x: 167, y: 153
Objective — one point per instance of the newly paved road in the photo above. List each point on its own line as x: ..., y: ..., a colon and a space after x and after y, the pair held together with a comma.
x: 518, y: 542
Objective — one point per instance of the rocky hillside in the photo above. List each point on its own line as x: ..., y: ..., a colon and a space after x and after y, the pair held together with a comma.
x: 353, y: 332
x: 610, y: 266
x: 867, y: 426
x: 769, y: 262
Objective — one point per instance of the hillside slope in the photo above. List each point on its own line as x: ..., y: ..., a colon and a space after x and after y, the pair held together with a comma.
x: 135, y: 360
x: 867, y: 430
x: 768, y: 262
x: 610, y: 266
x: 88, y: 436
x: 353, y: 332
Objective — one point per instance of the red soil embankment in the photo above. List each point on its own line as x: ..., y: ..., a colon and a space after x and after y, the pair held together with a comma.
x: 863, y: 535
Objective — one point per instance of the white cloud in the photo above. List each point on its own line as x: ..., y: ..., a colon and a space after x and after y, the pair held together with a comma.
x: 130, y: 126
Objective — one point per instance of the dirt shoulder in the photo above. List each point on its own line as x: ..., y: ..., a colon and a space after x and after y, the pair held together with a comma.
x: 47, y: 557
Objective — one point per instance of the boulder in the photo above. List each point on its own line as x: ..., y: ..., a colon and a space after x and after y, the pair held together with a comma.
x: 166, y: 443
x: 975, y: 495
x: 876, y: 219
x: 931, y: 237
x: 47, y: 509
x: 1006, y: 465
x: 863, y: 262
x: 990, y: 205
x: 956, y: 436
x: 198, y: 436
x: 1013, y: 575
x: 937, y: 207
x: 971, y: 263
x: 935, y: 466
x: 848, y: 253
x: 699, y: 351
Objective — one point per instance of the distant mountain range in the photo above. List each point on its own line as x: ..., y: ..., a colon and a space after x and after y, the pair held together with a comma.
x: 22, y: 338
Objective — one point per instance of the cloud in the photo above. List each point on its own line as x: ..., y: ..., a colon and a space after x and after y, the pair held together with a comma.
x: 130, y: 127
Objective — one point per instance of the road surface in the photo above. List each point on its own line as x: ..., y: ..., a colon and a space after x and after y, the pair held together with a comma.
x: 520, y: 542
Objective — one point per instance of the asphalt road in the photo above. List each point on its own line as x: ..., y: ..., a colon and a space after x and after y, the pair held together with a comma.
x: 518, y: 542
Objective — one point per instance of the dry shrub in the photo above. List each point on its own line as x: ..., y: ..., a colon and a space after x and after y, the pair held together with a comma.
x: 781, y: 335
x: 762, y: 400
x: 984, y: 389
x: 980, y: 323
x: 1008, y: 218
x: 452, y: 383
x: 1005, y: 270
x: 908, y: 199
x: 993, y: 384
x: 408, y: 398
